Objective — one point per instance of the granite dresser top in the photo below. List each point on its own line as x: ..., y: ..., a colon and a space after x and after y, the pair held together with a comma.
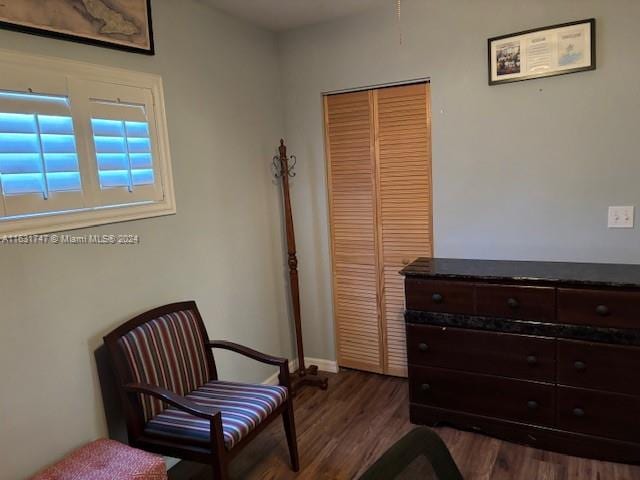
x: 559, y: 273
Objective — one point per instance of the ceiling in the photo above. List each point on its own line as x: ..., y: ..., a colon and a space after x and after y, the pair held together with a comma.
x: 279, y: 15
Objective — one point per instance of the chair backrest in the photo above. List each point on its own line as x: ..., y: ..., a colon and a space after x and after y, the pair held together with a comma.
x: 165, y: 347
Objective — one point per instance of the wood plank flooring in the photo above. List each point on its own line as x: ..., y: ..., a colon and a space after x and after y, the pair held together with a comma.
x: 342, y: 431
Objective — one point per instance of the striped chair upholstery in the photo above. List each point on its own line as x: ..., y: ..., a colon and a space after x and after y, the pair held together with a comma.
x: 243, y: 407
x: 167, y: 352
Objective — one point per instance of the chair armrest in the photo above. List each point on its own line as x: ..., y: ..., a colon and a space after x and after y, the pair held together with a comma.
x: 248, y: 352
x: 283, y: 363
x: 173, y: 399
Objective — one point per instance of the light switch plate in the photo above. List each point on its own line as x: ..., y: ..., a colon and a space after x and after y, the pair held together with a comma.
x: 621, y: 217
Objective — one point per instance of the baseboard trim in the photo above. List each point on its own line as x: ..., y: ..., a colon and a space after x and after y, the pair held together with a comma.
x: 273, y: 379
x: 323, y: 365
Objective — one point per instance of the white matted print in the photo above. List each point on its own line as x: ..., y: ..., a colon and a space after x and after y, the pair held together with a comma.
x: 542, y: 52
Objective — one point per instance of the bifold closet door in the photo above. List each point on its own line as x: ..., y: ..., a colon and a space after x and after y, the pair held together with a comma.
x: 403, y: 157
x: 351, y: 170
x: 379, y: 175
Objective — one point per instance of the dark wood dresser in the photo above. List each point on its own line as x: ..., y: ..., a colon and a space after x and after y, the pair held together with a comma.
x: 541, y: 353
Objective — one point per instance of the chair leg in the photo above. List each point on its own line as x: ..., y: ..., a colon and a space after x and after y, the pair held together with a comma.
x: 290, y: 431
x: 219, y: 469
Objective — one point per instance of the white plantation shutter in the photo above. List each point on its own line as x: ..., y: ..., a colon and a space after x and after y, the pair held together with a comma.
x: 124, y: 144
x: 39, y: 170
x: 123, y: 151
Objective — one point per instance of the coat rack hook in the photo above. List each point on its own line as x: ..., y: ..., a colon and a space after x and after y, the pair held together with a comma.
x: 283, y: 163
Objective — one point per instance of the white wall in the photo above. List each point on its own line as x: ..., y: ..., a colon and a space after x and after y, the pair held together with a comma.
x: 223, y: 248
x: 521, y: 171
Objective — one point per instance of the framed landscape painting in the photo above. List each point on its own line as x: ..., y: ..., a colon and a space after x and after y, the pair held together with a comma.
x: 120, y: 24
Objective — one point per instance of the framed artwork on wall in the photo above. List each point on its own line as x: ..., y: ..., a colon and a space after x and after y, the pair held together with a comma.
x: 120, y: 24
x: 543, y: 52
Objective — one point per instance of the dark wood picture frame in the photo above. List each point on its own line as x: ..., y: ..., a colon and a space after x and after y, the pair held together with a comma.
x: 43, y: 32
x: 592, y: 66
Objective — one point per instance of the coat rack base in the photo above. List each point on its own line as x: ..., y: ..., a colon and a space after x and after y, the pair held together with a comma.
x: 308, y: 377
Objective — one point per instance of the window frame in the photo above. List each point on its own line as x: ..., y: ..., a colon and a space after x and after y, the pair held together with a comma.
x: 22, y: 72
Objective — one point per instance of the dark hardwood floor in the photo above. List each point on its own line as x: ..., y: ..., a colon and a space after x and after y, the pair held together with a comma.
x: 345, y: 429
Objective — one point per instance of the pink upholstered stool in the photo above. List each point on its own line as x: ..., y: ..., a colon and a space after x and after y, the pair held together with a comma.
x: 106, y: 460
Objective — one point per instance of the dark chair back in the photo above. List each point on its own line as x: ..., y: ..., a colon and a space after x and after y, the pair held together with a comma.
x: 166, y: 348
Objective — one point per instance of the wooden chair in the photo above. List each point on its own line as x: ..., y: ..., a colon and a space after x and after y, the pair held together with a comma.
x: 174, y: 403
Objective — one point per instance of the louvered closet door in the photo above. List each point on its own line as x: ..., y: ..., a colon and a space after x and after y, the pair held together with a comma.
x: 352, y: 203
x: 403, y: 149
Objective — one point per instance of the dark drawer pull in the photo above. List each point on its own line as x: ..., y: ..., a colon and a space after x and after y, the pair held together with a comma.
x: 579, y: 365
x: 513, y: 303
x: 578, y: 412
x: 532, y: 360
x: 532, y: 405
x: 423, y: 347
x: 425, y: 387
x: 437, y: 298
x: 602, y: 310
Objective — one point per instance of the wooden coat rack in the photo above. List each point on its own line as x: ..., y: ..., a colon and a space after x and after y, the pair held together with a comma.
x: 303, y: 375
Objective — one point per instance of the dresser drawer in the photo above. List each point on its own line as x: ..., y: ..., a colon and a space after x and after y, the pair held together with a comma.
x: 504, y: 354
x: 602, y: 414
x: 509, y: 301
x: 486, y: 395
x: 599, y: 308
x: 437, y: 296
x: 598, y: 366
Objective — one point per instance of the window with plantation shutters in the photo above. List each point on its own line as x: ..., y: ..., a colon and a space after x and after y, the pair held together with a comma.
x: 378, y: 145
x: 75, y: 151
